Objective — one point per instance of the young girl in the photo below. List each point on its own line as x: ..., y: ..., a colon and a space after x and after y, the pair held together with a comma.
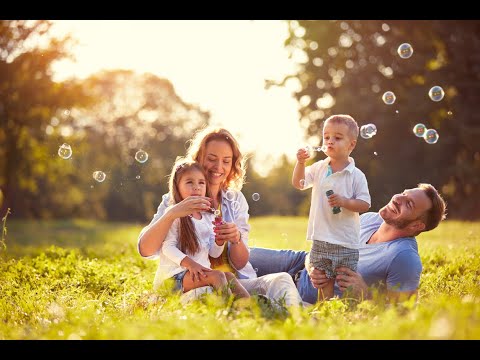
x: 191, y: 239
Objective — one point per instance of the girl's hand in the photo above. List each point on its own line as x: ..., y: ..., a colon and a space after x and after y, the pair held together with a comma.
x: 226, y: 232
x: 336, y: 200
x: 197, y: 271
x: 302, y: 155
x: 189, y: 205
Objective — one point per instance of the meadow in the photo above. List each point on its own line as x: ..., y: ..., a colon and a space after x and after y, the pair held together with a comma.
x: 78, y: 279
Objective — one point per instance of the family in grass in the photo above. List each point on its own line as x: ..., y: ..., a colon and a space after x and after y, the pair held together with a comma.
x: 199, y: 234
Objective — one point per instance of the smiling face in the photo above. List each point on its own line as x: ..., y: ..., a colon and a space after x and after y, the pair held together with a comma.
x: 338, y: 140
x: 217, y: 161
x: 192, y: 183
x: 406, y: 208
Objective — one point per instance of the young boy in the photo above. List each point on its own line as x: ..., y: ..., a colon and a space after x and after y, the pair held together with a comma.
x: 333, y: 223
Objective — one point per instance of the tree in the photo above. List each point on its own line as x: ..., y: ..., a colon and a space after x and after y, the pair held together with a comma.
x: 133, y: 113
x: 346, y: 66
x: 28, y: 100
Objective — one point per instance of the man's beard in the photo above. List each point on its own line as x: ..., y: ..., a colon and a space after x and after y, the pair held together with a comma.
x: 396, y: 223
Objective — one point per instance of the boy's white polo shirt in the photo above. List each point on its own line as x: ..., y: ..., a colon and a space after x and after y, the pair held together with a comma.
x: 343, y: 228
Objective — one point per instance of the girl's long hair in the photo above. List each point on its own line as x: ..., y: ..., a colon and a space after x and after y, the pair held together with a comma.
x: 188, y: 240
x: 196, y: 151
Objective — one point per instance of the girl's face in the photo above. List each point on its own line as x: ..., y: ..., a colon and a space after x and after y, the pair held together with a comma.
x: 192, y: 183
x: 217, y: 161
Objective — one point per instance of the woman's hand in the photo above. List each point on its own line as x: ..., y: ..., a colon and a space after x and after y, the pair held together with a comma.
x: 226, y: 232
x: 349, y: 279
x: 190, y: 205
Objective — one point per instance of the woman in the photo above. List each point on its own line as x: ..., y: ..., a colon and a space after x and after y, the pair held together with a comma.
x: 218, y: 151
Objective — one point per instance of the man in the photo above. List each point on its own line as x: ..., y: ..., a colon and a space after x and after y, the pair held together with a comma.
x: 388, y: 253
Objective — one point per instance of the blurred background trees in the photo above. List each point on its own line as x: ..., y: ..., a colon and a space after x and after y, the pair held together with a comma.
x: 343, y: 67
x: 346, y: 66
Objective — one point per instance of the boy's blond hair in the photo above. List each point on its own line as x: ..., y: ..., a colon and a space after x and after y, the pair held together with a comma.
x: 347, y: 120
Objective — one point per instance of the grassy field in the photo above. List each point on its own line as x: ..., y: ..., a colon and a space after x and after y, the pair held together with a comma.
x: 85, y: 280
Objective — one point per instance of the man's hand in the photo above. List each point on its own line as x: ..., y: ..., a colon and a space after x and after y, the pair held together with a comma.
x: 351, y: 280
x: 317, y: 277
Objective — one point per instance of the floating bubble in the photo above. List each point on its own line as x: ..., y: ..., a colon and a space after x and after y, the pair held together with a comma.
x: 405, y: 50
x: 99, y: 176
x: 65, y: 151
x: 368, y: 131
x: 388, y: 97
x: 235, y: 205
x: 396, y: 111
x: 436, y: 93
x: 302, y: 183
x: 431, y: 136
x: 230, y: 194
x: 375, y: 153
x: 449, y: 113
x: 137, y: 177
x: 256, y: 196
x: 419, y: 130
x: 141, y: 156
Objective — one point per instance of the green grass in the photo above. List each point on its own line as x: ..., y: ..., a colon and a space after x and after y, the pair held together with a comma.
x: 85, y: 280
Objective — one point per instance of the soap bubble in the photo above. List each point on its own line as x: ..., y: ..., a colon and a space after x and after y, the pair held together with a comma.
x: 405, y: 50
x: 65, y: 151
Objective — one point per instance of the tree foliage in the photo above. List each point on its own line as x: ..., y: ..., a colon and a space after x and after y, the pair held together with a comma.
x: 29, y: 98
x: 346, y: 66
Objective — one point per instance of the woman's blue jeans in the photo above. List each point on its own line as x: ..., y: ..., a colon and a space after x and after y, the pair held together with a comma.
x: 267, y: 261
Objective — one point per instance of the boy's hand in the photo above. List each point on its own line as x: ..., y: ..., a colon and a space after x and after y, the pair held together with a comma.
x: 302, y: 155
x: 337, y: 200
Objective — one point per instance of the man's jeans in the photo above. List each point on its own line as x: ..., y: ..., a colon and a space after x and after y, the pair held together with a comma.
x: 268, y: 261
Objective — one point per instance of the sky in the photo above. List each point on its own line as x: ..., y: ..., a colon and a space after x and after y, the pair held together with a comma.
x: 219, y: 65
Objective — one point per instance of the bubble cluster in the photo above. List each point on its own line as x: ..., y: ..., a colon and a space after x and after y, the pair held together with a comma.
x: 436, y: 93
x: 256, y: 196
x: 405, y: 50
x: 389, y: 97
x: 141, y: 156
x: 419, y: 130
x: 368, y: 131
x: 99, y: 176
